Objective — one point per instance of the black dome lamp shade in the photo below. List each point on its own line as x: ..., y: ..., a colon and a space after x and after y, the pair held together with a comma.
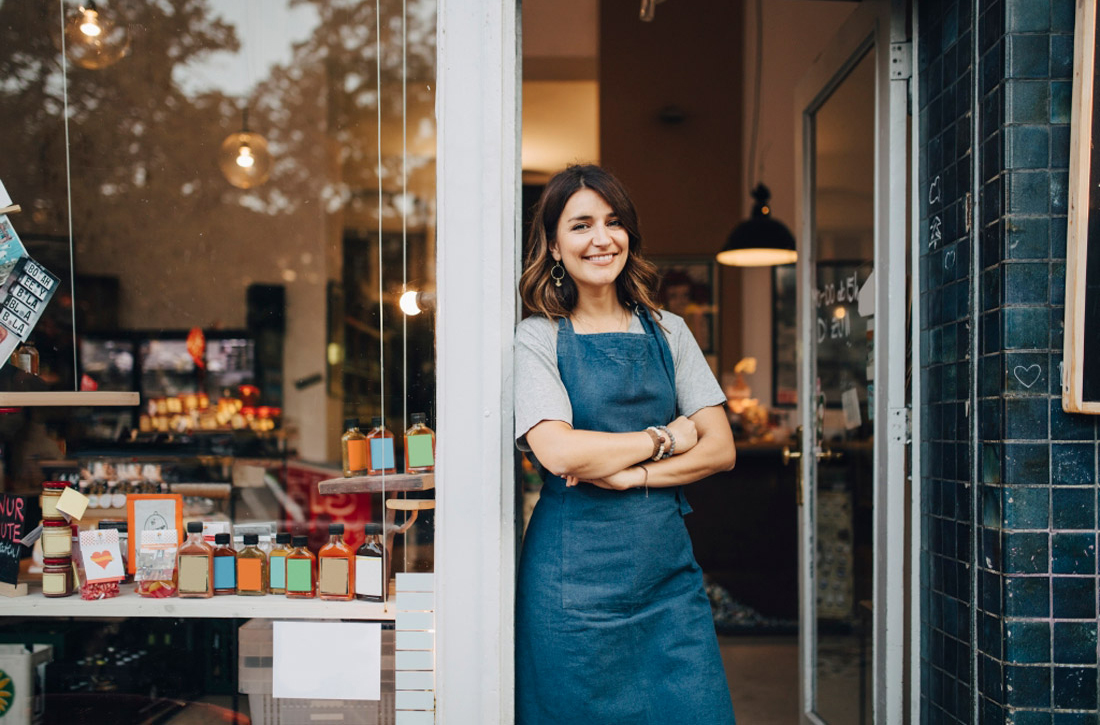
x: 760, y: 241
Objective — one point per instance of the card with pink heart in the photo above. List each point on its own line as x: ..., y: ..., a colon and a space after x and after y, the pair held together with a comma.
x: 101, y: 555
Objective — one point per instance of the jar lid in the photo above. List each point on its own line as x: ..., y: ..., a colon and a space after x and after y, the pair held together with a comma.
x: 221, y: 538
x: 55, y: 485
x: 251, y: 539
x: 56, y: 523
x: 57, y: 560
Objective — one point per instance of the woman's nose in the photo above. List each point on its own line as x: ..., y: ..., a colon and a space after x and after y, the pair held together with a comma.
x: 602, y: 236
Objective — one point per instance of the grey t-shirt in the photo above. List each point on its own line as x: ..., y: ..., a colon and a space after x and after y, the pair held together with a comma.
x: 541, y: 395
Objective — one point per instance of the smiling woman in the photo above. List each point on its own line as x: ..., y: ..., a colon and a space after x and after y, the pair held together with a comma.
x: 616, y: 402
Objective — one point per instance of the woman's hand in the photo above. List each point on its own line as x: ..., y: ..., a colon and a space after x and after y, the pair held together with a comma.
x: 686, y: 435
x: 625, y: 479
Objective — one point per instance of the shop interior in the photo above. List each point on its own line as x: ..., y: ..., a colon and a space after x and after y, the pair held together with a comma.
x: 236, y: 198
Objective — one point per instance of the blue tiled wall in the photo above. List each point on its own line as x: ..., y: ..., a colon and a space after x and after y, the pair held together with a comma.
x: 1034, y: 614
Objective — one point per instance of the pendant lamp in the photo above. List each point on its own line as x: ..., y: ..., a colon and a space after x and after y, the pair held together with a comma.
x: 94, y: 39
x: 244, y: 158
x: 759, y: 241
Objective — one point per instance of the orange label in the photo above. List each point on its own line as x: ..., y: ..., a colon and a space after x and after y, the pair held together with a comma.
x: 248, y: 574
x: 357, y: 455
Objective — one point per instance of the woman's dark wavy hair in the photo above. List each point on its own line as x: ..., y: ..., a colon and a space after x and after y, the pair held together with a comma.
x: 636, y: 284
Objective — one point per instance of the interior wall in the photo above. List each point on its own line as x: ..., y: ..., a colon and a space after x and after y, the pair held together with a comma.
x: 795, y: 33
x: 684, y: 175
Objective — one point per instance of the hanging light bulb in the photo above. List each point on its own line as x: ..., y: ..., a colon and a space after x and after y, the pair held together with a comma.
x: 93, y: 39
x: 244, y: 158
x: 412, y: 302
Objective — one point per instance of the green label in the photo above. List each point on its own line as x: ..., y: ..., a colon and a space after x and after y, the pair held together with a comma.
x: 299, y: 575
x: 420, y: 451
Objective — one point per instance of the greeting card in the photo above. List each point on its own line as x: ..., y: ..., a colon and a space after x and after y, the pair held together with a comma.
x: 102, y: 557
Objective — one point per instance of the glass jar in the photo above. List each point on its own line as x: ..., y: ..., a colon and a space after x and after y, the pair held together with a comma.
x: 57, y: 576
x: 57, y: 539
x: 51, y: 494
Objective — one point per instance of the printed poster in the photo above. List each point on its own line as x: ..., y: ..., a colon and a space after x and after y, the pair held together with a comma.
x: 25, y: 289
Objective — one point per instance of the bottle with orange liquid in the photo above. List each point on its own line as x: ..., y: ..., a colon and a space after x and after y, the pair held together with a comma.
x: 196, y: 565
x: 336, y: 560
x: 301, y: 569
x: 356, y: 449
x: 381, y: 449
x: 251, y: 567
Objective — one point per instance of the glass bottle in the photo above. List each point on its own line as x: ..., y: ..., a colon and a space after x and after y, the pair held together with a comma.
x: 251, y: 567
x: 57, y: 577
x: 25, y: 358
x: 276, y: 564
x: 336, y: 561
x: 355, y: 447
x: 225, y: 564
x: 51, y: 494
x: 419, y: 446
x: 301, y: 570
x: 195, y: 565
x: 370, y: 566
x: 381, y: 449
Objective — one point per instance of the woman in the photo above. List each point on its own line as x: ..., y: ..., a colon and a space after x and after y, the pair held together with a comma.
x: 616, y: 401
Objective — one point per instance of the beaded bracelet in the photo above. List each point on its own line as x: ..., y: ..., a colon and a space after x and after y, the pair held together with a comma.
x: 671, y: 442
x: 659, y: 451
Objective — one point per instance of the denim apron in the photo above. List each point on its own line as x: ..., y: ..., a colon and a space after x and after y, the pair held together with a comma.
x: 613, y: 626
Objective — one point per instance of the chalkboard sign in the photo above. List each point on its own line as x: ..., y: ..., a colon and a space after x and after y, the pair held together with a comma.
x: 12, y: 513
x: 1081, y: 363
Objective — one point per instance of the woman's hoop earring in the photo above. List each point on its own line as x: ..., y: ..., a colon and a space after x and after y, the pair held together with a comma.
x: 557, y: 273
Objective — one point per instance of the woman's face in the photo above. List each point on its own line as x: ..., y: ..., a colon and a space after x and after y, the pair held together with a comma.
x: 591, y: 243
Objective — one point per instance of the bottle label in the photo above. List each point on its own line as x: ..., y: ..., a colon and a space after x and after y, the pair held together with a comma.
x: 278, y: 572
x: 194, y: 574
x: 421, y: 454
x: 299, y: 575
x: 381, y: 453
x: 357, y: 455
x: 249, y: 574
x: 334, y: 576
x: 368, y: 576
x: 225, y: 572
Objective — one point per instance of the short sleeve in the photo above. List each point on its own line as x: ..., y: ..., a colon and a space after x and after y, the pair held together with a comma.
x: 539, y: 392
x: 696, y: 387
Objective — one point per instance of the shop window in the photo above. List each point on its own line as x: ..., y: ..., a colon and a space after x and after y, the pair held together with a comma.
x: 232, y: 199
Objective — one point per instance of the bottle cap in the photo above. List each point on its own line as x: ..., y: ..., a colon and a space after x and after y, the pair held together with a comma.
x: 282, y: 538
x: 299, y: 540
x: 222, y: 538
x: 419, y: 418
x: 251, y: 539
x: 121, y: 526
x: 194, y: 527
x: 334, y: 529
x: 350, y: 423
x: 376, y: 421
x: 373, y: 529
x: 55, y: 485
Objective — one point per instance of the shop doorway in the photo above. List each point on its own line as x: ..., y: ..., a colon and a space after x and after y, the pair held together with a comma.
x: 852, y: 372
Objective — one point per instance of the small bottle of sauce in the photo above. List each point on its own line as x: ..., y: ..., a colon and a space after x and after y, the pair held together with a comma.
x: 225, y: 564
x: 355, y: 448
x: 301, y: 570
x: 276, y: 562
x: 369, y: 566
x: 195, y: 564
x: 419, y: 446
x: 336, y: 560
x: 381, y: 449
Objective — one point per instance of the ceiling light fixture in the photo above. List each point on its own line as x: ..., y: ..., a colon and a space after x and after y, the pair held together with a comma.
x: 244, y: 158
x: 93, y: 38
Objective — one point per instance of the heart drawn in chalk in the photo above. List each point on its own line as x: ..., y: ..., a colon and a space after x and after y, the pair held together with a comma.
x: 103, y: 558
x: 1029, y: 375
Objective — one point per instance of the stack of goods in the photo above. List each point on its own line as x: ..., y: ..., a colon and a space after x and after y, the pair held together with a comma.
x: 58, y: 578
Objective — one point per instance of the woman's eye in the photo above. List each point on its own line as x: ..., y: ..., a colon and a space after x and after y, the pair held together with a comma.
x: 614, y: 223
x: 579, y: 227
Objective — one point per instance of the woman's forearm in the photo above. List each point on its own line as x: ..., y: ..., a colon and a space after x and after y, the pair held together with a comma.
x: 586, y: 454
x: 709, y: 456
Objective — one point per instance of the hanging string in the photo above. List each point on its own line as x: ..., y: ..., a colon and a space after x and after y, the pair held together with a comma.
x: 69, y: 194
x: 758, y: 71
x: 405, y: 221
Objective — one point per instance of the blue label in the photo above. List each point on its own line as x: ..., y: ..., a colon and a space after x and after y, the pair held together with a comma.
x: 225, y: 572
x: 381, y: 453
x: 278, y: 572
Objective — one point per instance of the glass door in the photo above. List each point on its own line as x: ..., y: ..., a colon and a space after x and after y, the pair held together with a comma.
x: 851, y: 272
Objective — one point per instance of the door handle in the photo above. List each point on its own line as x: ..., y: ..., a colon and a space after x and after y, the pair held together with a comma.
x: 788, y: 456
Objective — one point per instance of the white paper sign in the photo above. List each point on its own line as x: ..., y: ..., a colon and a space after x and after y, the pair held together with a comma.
x: 72, y: 503
x: 327, y: 660
x: 850, y: 400
x: 101, y: 555
x: 5, y: 199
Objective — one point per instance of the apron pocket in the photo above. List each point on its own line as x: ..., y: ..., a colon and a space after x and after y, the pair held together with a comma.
x: 599, y: 562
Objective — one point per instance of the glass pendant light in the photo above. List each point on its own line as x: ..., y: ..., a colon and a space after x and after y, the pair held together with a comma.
x: 244, y: 158
x: 94, y: 39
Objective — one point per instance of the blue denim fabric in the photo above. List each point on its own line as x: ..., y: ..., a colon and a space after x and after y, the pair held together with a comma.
x: 612, y: 623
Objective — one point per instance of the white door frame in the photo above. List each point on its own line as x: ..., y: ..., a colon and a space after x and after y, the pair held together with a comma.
x: 878, y: 24
x: 478, y: 190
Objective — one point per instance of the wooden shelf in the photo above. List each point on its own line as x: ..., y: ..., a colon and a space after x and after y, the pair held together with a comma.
x: 129, y: 604
x: 70, y: 399
x: 397, y: 482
